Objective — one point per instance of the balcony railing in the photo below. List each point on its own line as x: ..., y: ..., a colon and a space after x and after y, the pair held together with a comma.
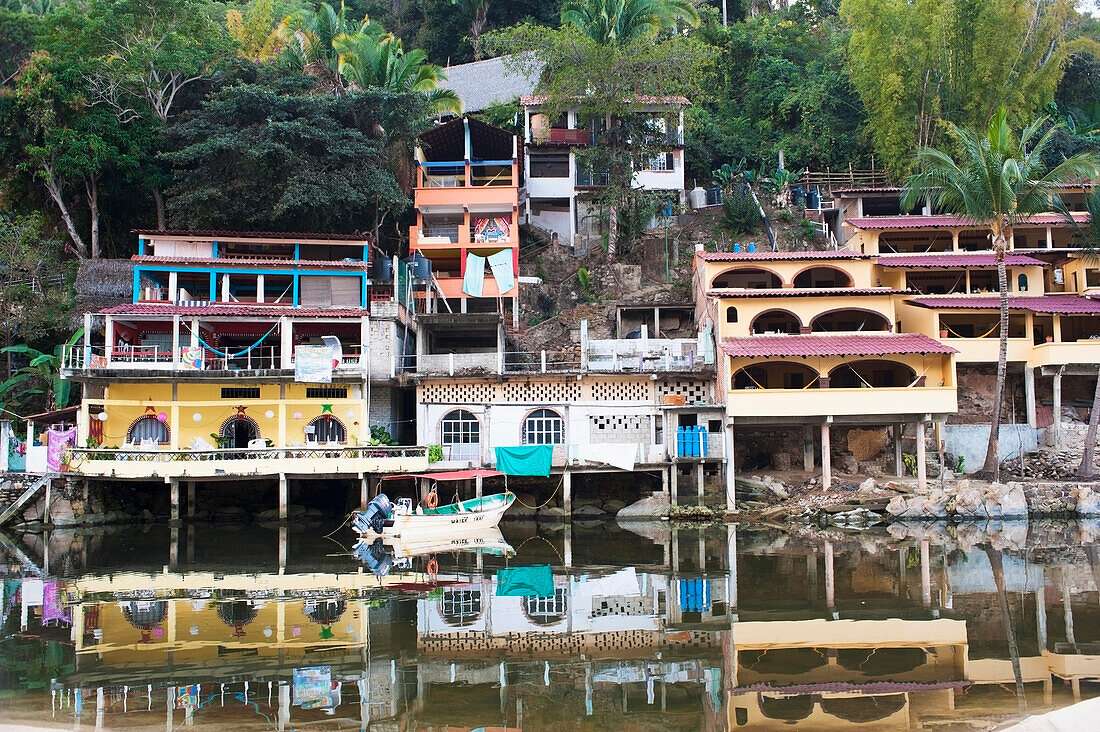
x: 649, y: 354
x: 155, y: 358
x: 604, y: 356
x: 309, y: 458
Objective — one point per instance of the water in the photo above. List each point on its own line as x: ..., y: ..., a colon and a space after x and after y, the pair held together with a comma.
x: 640, y: 627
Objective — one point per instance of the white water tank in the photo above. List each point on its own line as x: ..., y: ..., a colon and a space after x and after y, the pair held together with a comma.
x: 697, y: 197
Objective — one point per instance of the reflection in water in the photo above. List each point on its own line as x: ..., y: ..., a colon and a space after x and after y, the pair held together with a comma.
x: 646, y: 626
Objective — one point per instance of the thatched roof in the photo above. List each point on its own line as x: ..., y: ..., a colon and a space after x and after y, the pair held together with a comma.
x: 105, y: 278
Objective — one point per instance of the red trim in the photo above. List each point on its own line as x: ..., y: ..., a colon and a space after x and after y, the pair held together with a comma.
x: 452, y: 475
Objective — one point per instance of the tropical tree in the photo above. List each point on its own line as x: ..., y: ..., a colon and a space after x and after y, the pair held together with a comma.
x: 622, y: 21
x: 374, y: 58
x: 41, y: 378
x: 1087, y: 237
x: 998, y: 179
x: 477, y: 11
x: 309, y: 36
x: 255, y: 30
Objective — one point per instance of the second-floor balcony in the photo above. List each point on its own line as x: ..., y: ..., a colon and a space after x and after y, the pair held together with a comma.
x: 197, y: 360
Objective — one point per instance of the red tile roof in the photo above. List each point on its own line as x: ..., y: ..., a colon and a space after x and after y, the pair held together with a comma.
x: 1053, y: 304
x: 234, y: 310
x: 957, y: 260
x: 270, y: 263
x: 806, y: 292
x: 947, y: 222
x: 236, y: 235
x: 876, y: 344
x: 767, y: 256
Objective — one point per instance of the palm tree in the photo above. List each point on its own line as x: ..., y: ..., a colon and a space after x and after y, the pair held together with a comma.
x: 998, y: 180
x: 621, y: 21
x: 309, y: 36
x: 374, y: 58
x: 1088, y: 238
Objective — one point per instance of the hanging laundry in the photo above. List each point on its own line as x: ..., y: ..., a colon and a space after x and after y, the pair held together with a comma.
x: 474, y: 278
x: 58, y: 443
x: 525, y: 460
x: 505, y: 275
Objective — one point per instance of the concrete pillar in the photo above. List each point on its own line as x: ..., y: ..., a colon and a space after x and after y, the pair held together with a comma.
x: 731, y: 564
x: 1067, y: 609
x: 190, y: 499
x: 1029, y: 394
x: 174, y: 488
x: 700, y: 480
x: 190, y: 544
x: 899, y: 464
x: 664, y: 481
x: 566, y: 492
x: 807, y: 448
x: 479, y: 485
x: 284, y: 496
x: 830, y: 577
x: 567, y: 544
x: 174, y: 548
x: 826, y: 458
x: 731, y: 472
x: 1041, y: 617
x: 170, y: 703
x: 364, y: 491
x: 284, y: 698
x: 925, y: 575
x: 1058, y: 408
x: 284, y: 547
x: 922, y: 467
x: 674, y: 478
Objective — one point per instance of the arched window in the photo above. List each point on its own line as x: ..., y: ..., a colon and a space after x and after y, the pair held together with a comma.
x: 326, y: 428
x: 731, y: 314
x: 1021, y: 282
x: 546, y: 610
x: 147, y: 428
x: 543, y: 427
x: 459, y: 428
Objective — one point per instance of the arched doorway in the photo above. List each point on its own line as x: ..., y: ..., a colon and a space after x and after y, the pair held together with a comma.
x: 238, y: 431
x: 871, y: 373
x: 849, y: 320
x: 776, y: 321
x: 747, y: 278
x: 822, y: 277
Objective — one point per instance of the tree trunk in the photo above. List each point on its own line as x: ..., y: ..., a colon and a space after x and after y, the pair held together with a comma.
x: 158, y: 199
x: 91, y: 186
x: 996, y: 565
x: 54, y: 189
x: 1087, y: 470
x: 612, y: 229
x: 992, y: 464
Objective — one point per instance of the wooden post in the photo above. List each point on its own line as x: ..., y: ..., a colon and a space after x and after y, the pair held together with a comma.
x: 826, y: 458
x: 922, y: 467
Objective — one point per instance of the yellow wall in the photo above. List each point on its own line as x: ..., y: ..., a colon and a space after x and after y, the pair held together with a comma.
x: 126, y: 402
x: 805, y: 308
x: 860, y: 270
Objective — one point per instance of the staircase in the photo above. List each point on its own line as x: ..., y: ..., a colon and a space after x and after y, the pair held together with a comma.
x: 21, y: 500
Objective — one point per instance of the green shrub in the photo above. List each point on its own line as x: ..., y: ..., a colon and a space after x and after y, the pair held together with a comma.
x: 739, y: 212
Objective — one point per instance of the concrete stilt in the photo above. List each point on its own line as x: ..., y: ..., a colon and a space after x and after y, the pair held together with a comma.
x: 190, y: 544
x: 826, y: 458
x: 731, y: 470
x: 807, y: 448
x: 1058, y: 408
x: 190, y: 499
x: 830, y: 577
x: 674, y: 484
x: 922, y: 461
x: 1067, y: 610
x: 664, y: 482
x: 1041, y: 617
x: 174, y: 548
x: 174, y: 488
x: 731, y: 563
x: 170, y: 703
x: 899, y: 464
x: 364, y: 491
x: 284, y: 547
x: 479, y: 486
x: 567, y: 544
x: 284, y: 497
x: 566, y: 492
x: 700, y: 481
x: 1029, y: 395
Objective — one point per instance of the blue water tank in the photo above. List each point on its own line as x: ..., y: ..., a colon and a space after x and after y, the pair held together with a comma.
x: 752, y: 246
x: 693, y: 441
x: 702, y: 441
x: 383, y: 268
x: 813, y: 198
x: 736, y: 247
x: 681, y: 440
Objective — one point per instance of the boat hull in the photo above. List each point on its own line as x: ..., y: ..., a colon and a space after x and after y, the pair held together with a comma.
x: 468, y: 517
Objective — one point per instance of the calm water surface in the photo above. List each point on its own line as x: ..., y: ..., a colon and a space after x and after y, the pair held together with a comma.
x: 540, y: 626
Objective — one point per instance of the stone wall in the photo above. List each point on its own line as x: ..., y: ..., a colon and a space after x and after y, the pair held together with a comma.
x: 974, y: 499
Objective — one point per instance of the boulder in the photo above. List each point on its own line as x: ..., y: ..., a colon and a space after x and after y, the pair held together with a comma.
x: 846, y: 464
x: 867, y: 486
x: 1088, y: 501
x: 647, y: 508
x: 969, y: 502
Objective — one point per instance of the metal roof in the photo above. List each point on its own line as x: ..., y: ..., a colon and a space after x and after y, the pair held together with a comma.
x: 939, y: 260
x: 1050, y: 304
x: 813, y: 344
x: 234, y: 310
x: 768, y: 256
x: 951, y: 222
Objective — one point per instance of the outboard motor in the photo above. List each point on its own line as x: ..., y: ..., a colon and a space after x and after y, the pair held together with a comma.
x: 375, y: 556
x: 377, y: 516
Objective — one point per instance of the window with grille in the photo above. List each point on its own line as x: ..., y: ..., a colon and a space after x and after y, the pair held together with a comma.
x: 545, y: 610
x: 241, y: 392
x: 147, y: 428
x: 460, y: 607
x: 326, y: 429
x: 543, y: 427
x: 460, y: 428
x: 326, y: 392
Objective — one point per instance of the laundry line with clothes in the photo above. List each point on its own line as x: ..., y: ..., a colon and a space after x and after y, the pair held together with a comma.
x: 501, y: 265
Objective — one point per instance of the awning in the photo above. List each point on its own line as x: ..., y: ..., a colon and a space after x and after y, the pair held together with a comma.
x: 447, y: 476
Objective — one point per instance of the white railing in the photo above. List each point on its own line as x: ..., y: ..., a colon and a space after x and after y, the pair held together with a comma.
x: 80, y: 358
x: 645, y: 354
x: 296, y: 452
x: 543, y: 362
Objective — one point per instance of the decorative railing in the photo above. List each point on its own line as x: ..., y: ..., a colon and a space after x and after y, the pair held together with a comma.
x: 80, y: 358
x: 297, y: 452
